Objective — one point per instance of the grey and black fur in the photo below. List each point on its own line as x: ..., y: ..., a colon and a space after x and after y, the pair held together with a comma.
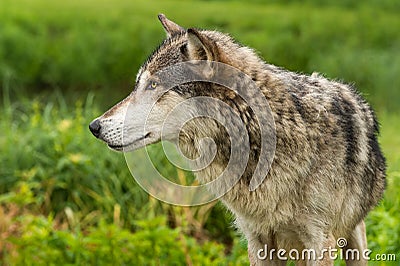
x: 328, y: 171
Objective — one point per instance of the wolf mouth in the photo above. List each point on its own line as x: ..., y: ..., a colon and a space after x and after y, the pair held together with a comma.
x: 121, y: 147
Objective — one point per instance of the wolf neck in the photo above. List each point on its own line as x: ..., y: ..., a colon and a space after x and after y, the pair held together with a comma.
x: 197, y: 130
x: 196, y: 144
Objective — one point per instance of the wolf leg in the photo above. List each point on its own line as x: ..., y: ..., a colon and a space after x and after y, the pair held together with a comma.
x: 356, y: 241
x: 327, y: 260
x: 259, y: 249
x: 318, y: 253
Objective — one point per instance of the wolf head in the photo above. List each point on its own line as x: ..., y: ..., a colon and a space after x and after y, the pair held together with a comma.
x: 139, y: 119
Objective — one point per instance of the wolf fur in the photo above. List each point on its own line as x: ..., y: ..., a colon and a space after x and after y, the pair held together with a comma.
x: 328, y: 171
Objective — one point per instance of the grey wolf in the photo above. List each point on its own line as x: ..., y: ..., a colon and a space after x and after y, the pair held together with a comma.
x: 328, y: 171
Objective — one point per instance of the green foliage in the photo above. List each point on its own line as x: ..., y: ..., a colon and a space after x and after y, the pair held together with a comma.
x: 43, y: 144
x: 108, y: 244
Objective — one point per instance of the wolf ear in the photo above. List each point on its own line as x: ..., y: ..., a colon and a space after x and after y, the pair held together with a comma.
x: 200, y: 47
x: 171, y: 28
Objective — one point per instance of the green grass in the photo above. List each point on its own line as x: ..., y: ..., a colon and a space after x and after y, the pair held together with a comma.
x: 65, y: 197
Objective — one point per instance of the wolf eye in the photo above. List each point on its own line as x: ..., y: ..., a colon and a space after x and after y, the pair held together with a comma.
x: 152, y: 85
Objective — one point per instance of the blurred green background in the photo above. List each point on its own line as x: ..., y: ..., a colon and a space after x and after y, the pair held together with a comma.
x: 66, y: 199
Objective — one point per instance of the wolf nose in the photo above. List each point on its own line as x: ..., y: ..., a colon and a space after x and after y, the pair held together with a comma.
x: 94, y: 127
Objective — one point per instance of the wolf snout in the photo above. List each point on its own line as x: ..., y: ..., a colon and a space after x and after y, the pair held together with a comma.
x: 95, y: 127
